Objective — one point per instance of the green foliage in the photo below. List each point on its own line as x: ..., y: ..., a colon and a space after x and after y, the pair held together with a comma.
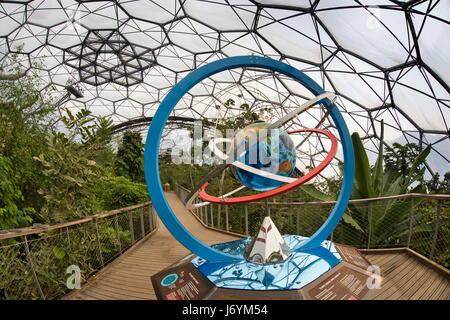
x: 399, y: 158
x: 25, y: 119
x: 129, y: 160
x: 120, y: 192
x: 385, y: 221
x: 10, y: 215
x: 381, y: 222
x: 434, y: 185
x: 71, y: 168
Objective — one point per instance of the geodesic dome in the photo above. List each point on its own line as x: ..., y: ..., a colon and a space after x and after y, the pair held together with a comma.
x: 385, y: 59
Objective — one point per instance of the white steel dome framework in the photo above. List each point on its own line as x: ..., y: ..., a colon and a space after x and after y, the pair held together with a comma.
x: 385, y: 59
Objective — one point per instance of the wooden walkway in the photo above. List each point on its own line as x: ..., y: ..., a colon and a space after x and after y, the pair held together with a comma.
x: 128, y: 277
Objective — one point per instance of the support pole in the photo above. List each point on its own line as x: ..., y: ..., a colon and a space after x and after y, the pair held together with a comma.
x: 226, y: 218
x: 130, y: 220
x: 116, y: 229
x: 266, y: 202
x: 66, y: 231
x: 411, y: 222
x: 298, y: 220
x: 97, y: 240
x: 436, y: 228
x: 150, y: 217
x: 370, y: 226
x: 246, y: 219
x: 141, y: 214
x: 212, y: 214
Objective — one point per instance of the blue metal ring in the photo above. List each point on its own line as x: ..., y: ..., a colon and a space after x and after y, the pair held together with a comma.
x: 158, y: 123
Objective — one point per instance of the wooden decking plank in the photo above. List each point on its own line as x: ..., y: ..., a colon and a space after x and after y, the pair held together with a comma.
x: 445, y: 295
x: 133, y: 282
x: 385, y: 262
x: 442, y: 292
x: 121, y: 293
x: 394, y: 266
x: 423, y: 279
x: 99, y: 295
x: 125, y: 288
x: 430, y: 286
x: 379, y: 258
x: 400, y: 285
x: 396, y: 278
x: 396, y: 263
x: 132, y: 276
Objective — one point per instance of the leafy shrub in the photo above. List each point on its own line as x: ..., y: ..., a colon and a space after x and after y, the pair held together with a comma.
x: 10, y: 215
x: 120, y: 192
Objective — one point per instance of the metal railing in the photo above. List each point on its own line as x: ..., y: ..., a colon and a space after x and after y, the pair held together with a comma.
x: 417, y: 221
x: 42, y: 261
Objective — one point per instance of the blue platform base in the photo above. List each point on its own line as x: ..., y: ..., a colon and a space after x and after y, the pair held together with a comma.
x: 297, y: 271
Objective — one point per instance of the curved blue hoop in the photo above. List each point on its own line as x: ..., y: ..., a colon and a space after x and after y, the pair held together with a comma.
x: 158, y: 123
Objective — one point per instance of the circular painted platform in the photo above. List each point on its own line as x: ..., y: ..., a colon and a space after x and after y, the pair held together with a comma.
x: 298, y: 270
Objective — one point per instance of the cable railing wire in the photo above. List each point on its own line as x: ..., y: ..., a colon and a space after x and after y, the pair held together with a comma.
x: 420, y: 222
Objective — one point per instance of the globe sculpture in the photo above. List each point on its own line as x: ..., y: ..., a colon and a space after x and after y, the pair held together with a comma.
x: 276, y: 155
x: 263, y: 158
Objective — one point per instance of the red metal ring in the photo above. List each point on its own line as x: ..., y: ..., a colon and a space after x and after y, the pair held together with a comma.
x: 287, y: 187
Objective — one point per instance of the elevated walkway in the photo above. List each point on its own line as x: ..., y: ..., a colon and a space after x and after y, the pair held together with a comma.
x: 128, y: 277
x: 407, y: 274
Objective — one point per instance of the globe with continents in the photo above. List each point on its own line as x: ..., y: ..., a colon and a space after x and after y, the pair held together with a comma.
x: 274, y: 153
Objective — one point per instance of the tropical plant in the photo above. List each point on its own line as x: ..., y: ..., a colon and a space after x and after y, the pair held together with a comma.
x: 129, y: 160
x: 71, y: 168
x: 380, y: 222
x: 25, y: 118
x: 120, y: 192
x: 10, y: 215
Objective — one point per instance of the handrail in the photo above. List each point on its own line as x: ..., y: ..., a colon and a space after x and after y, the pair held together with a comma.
x: 19, y: 232
x: 401, y: 196
x: 313, y: 203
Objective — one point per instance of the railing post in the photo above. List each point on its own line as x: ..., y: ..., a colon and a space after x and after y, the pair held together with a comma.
x: 130, y: 220
x: 219, y: 212
x: 97, y: 240
x: 436, y: 228
x: 206, y: 214
x: 246, y: 219
x: 226, y: 218
x: 30, y: 262
x: 67, y: 238
x: 212, y: 215
x: 150, y: 217
x: 411, y: 222
x: 155, y: 222
x: 297, y: 223
x: 116, y: 229
x: 141, y: 214
x: 370, y: 226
